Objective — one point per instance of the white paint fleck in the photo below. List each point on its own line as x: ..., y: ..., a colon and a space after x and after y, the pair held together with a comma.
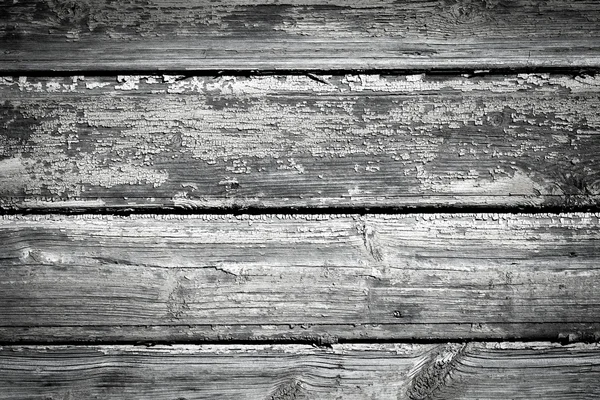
x: 128, y: 82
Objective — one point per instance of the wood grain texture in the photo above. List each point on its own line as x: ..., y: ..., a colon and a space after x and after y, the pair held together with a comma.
x: 173, y: 278
x: 299, y: 34
x: 293, y: 372
x: 299, y: 141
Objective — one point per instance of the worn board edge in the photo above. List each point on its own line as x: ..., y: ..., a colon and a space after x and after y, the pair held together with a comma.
x: 315, y: 334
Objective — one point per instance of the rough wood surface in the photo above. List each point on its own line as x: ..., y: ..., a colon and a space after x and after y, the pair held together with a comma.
x: 145, y: 278
x: 297, y: 34
x: 411, y: 372
x: 299, y: 141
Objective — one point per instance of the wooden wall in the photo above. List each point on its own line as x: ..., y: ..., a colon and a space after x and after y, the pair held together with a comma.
x: 299, y: 200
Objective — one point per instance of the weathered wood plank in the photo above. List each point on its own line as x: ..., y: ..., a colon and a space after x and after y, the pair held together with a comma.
x: 297, y: 34
x: 291, y: 372
x: 172, y: 278
x: 300, y: 141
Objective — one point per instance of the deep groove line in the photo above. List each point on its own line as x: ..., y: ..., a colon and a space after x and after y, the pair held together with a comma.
x: 573, y: 71
x: 358, y: 210
x: 317, y: 342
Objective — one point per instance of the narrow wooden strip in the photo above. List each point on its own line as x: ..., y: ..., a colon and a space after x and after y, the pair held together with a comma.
x: 320, y: 333
x: 299, y: 141
x: 297, y: 34
x: 402, y: 371
x: 253, y: 277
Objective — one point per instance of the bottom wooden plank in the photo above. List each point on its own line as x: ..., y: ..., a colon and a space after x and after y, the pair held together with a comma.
x: 500, y: 370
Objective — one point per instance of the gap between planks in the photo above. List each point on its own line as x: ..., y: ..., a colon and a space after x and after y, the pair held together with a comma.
x: 570, y: 71
x: 362, y: 211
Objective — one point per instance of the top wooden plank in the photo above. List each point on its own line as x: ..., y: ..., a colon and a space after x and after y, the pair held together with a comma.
x: 297, y: 34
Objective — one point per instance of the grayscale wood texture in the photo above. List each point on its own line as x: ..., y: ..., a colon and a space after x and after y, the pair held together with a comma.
x: 493, y: 371
x: 387, y: 109
x: 523, y: 140
x: 321, y: 278
x: 155, y: 35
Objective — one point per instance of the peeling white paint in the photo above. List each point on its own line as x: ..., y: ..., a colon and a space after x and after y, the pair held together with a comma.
x: 273, y: 126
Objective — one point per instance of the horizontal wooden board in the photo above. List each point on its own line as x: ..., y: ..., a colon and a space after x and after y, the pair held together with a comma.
x: 300, y: 277
x: 299, y: 141
x: 297, y: 34
x: 292, y: 372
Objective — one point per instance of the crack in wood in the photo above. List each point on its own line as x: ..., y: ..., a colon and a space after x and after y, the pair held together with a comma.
x: 436, y: 372
x: 289, y: 390
x: 370, y: 241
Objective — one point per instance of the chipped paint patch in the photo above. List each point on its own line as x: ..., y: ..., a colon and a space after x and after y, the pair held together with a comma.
x: 127, y: 82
